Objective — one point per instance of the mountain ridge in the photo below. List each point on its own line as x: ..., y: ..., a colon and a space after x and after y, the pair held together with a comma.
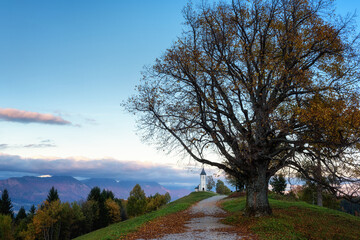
x: 28, y: 190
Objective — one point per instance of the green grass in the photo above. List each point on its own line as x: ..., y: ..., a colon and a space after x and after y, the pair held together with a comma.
x: 121, y: 229
x: 295, y: 220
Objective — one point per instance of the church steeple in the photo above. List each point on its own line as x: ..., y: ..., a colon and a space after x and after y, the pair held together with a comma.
x: 202, y: 186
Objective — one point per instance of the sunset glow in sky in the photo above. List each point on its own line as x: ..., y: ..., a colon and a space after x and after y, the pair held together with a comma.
x: 65, y: 67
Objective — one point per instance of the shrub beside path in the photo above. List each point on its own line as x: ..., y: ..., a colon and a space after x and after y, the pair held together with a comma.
x: 201, y: 221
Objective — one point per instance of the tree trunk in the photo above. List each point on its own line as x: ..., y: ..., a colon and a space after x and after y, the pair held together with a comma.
x: 319, y: 195
x: 318, y: 185
x: 257, y: 203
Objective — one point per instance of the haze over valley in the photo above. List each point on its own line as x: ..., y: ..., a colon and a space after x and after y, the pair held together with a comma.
x: 29, y: 190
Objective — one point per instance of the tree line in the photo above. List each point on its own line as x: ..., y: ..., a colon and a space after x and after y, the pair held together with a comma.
x: 56, y: 220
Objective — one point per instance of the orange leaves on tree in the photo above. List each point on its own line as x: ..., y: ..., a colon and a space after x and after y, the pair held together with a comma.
x: 46, y: 218
x: 337, y: 119
x: 114, y: 210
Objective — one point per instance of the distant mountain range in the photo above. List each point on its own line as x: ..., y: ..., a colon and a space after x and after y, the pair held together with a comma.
x: 25, y: 191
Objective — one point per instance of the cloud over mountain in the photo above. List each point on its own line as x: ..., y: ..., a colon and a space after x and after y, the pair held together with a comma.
x: 97, y: 168
x: 15, y: 115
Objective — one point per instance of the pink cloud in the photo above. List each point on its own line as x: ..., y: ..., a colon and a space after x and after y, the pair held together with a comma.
x: 15, y: 115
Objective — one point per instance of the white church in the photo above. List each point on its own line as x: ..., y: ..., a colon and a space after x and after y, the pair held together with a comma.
x: 202, y: 186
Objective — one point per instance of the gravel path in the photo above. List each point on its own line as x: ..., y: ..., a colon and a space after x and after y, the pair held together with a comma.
x: 207, y: 225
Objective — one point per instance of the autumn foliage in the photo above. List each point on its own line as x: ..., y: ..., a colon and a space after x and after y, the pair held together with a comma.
x: 263, y: 86
x: 54, y: 220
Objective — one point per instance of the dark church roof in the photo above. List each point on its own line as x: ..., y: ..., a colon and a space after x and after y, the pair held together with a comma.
x: 203, y: 172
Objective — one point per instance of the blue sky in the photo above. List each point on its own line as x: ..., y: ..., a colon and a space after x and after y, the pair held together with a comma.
x: 76, y: 61
x: 79, y: 60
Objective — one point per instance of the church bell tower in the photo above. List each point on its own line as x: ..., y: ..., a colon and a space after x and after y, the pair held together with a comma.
x: 202, y: 186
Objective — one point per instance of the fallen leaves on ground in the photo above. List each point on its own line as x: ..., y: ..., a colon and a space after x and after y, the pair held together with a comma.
x: 175, y: 223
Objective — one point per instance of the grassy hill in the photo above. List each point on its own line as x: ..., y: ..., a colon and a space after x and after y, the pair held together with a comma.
x: 121, y: 229
x: 290, y: 220
x: 294, y: 220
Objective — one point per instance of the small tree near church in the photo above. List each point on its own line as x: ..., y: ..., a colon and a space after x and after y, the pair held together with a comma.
x: 221, y: 188
x: 210, y: 183
x: 278, y: 184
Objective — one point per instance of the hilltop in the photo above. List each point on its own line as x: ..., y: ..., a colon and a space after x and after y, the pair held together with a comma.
x: 294, y: 220
x: 290, y: 220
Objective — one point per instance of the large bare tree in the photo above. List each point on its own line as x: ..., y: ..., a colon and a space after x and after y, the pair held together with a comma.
x: 252, y: 87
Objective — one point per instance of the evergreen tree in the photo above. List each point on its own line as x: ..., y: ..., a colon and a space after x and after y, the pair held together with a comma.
x: 99, y: 197
x: 90, y: 209
x: 32, y: 212
x: 278, y: 184
x: 106, y: 194
x: 53, y: 195
x: 21, y: 222
x: 21, y: 215
x: 104, y: 217
x: 78, y: 220
x: 5, y: 204
x: 95, y: 194
x: 32, y: 209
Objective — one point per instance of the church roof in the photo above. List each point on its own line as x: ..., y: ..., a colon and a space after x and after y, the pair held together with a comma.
x: 203, y: 172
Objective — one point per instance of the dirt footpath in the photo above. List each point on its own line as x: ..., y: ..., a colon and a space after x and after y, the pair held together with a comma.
x: 201, y: 221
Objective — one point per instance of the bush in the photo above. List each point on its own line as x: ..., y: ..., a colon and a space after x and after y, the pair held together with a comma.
x: 221, y: 188
x: 308, y: 194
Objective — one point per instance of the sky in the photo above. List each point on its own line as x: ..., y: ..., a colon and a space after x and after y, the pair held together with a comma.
x: 65, y: 68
